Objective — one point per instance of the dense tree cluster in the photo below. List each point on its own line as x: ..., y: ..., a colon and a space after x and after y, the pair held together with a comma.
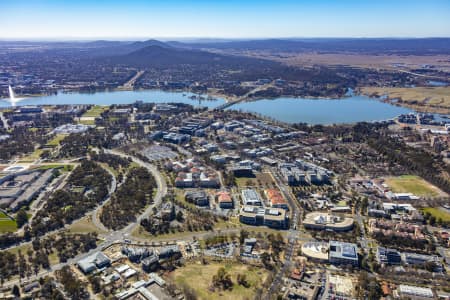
x: 368, y: 287
x: 78, y: 144
x: 130, y: 198
x: 87, y: 186
x: 49, y: 290
x: 405, y: 242
x: 73, y: 287
x: 21, y: 140
x: 222, y: 280
x: 417, y: 161
x: 114, y: 161
x: 37, y: 258
x: 188, y: 218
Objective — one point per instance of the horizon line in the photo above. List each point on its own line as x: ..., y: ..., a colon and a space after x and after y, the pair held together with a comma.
x: 134, y: 38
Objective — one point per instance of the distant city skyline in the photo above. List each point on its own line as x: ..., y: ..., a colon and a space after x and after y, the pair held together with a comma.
x: 177, y: 19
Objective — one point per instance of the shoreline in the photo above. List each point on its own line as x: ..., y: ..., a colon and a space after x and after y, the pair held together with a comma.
x: 227, y: 98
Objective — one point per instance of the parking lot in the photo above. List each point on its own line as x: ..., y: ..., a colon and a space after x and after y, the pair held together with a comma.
x: 156, y: 152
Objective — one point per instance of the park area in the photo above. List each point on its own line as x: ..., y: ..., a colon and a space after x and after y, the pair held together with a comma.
x: 412, y: 184
x: 88, y: 118
x: 199, y: 277
x: 6, y: 223
x: 262, y: 180
x: 438, y: 213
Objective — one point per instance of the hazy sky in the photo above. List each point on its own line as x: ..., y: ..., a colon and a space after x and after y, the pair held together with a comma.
x: 130, y: 19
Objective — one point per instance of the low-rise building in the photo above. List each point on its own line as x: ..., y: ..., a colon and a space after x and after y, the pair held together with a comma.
x: 199, y: 198
x: 92, y: 262
x: 326, y: 221
x: 422, y: 259
x: 251, y: 197
x: 343, y: 253
x: 414, y: 292
x: 270, y: 217
x: 224, y: 199
x: 388, y: 256
x: 276, y: 199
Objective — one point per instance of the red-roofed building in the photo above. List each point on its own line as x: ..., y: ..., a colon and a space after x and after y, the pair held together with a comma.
x: 224, y: 199
x: 276, y: 199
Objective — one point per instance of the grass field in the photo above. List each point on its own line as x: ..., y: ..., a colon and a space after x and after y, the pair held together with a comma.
x: 438, y: 213
x: 261, y: 179
x: 6, y: 224
x: 95, y: 111
x: 64, y: 167
x: 199, y: 277
x: 22, y: 248
x: 412, y: 184
x: 420, y: 97
x: 83, y: 225
x: 56, y: 140
x: 36, y: 154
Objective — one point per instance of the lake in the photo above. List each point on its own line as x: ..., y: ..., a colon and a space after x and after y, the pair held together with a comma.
x: 291, y: 110
x: 115, y: 97
x: 324, y: 111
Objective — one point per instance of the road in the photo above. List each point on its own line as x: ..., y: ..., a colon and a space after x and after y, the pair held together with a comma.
x: 4, y: 120
x: 112, y: 237
x: 112, y: 189
x: 292, y: 237
x: 363, y: 239
x: 130, y: 83
x: 244, y: 97
x: 419, y: 75
x: 161, y: 190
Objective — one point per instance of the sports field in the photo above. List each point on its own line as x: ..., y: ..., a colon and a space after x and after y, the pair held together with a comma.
x: 412, y: 184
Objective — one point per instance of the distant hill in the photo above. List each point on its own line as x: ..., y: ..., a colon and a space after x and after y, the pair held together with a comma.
x: 161, y: 55
x: 409, y: 46
x: 419, y: 46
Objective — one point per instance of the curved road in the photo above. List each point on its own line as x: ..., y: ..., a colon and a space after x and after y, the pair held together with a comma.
x: 112, y: 237
x: 95, y: 220
x: 161, y: 192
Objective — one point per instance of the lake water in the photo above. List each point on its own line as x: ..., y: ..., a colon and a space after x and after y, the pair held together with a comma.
x: 292, y: 110
x: 115, y: 97
x: 437, y: 83
x: 324, y: 111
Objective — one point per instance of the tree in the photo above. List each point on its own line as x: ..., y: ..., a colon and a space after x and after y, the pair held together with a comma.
x: 242, y: 280
x: 179, y: 216
x: 265, y: 259
x: 222, y: 279
x: 96, y: 284
x: 189, y: 293
x: 243, y: 235
x: 16, y: 291
x: 21, y: 218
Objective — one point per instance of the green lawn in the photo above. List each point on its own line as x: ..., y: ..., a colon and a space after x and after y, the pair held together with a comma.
x: 95, y: 111
x: 438, y: 213
x: 64, y: 167
x: 36, y: 154
x: 412, y: 184
x: 87, y: 121
x: 199, y: 277
x: 6, y: 224
x: 56, y: 140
